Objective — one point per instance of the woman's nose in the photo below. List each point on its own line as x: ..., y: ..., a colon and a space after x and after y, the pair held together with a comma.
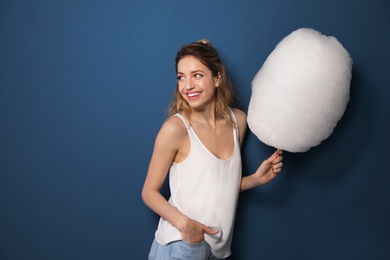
x: 189, y: 84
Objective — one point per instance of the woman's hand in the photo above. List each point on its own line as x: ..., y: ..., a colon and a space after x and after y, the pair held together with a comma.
x: 265, y: 173
x: 193, y: 232
x: 271, y: 167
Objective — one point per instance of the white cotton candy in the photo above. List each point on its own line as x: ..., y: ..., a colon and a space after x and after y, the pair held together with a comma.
x: 300, y: 92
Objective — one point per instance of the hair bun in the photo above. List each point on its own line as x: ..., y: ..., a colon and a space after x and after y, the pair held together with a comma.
x: 205, y: 42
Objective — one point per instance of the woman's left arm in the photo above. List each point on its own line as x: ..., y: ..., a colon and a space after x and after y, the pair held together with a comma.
x: 266, y: 172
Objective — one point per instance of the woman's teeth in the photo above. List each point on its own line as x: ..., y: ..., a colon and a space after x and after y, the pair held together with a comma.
x: 193, y: 94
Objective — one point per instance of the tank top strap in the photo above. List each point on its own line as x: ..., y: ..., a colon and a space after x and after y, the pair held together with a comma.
x: 235, y: 125
x: 186, y: 123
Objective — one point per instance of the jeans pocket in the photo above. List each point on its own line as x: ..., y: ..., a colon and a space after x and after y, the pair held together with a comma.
x: 194, y: 244
x: 191, y: 251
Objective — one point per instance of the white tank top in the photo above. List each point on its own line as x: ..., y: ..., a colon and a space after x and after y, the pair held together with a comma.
x: 205, y: 189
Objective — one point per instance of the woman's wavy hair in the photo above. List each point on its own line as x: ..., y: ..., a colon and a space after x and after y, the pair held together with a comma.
x: 224, y: 95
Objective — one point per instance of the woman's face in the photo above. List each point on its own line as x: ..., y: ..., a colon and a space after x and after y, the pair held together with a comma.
x: 196, y: 83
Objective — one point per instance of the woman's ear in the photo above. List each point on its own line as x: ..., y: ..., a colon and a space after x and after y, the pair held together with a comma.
x: 217, y: 79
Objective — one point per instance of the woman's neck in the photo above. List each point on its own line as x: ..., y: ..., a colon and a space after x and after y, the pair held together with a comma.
x: 204, y: 116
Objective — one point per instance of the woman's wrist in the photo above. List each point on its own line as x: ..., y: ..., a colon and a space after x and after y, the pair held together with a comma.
x: 181, y: 222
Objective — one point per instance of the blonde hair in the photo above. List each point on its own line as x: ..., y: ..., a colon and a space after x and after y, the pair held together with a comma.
x: 224, y: 97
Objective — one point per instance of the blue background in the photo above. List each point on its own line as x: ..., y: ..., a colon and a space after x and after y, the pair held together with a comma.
x: 84, y: 87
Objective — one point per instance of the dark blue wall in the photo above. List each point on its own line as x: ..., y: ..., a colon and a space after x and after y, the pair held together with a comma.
x: 83, y: 90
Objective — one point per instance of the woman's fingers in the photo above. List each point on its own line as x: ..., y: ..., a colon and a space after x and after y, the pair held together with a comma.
x: 210, y: 231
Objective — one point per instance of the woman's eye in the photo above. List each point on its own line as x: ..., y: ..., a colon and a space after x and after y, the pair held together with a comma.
x: 198, y: 75
x: 179, y: 77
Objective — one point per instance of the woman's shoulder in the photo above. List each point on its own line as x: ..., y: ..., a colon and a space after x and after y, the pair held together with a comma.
x: 171, y: 135
x: 173, y: 127
x: 240, y: 116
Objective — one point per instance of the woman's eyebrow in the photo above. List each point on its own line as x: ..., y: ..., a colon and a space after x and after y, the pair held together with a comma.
x: 192, y: 72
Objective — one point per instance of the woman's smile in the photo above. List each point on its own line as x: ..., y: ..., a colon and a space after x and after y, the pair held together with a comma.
x: 193, y: 95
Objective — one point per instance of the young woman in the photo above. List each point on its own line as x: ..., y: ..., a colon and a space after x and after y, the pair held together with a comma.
x: 199, y: 145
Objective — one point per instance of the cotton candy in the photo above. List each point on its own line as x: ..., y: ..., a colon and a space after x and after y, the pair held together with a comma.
x: 301, y: 91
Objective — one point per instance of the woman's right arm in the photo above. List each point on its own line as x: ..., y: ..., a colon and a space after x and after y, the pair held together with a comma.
x: 167, y: 145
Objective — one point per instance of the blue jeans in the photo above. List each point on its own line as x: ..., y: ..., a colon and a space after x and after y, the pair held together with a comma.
x: 180, y: 250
